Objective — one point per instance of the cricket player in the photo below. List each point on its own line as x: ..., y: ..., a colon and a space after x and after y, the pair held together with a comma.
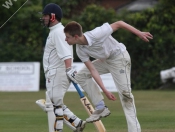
x: 111, y: 57
x: 58, y: 56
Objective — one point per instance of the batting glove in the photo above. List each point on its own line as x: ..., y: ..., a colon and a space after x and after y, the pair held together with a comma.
x: 71, y: 74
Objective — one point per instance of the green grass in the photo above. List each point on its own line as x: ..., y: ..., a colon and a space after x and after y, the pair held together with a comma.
x: 155, y: 110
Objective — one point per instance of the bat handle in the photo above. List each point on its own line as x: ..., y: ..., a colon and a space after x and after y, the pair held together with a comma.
x: 78, y: 90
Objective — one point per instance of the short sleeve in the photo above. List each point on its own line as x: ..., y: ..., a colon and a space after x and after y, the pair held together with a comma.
x: 64, y: 50
x: 102, y: 32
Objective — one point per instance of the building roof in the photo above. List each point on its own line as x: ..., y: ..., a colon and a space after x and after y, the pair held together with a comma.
x: 138, y: 5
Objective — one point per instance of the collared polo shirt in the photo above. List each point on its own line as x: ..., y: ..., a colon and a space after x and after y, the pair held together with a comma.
x: 56, y: 49
x: 100, y: 44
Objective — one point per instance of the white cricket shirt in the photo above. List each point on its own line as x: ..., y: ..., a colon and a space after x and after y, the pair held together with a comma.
x: 100, y: 44
x: 56, y: 49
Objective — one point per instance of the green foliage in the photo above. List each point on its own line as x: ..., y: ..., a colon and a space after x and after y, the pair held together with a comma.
x: 72, y: 7
x: 95, y: 15
x: 148, y: 59
x: 22, y: 38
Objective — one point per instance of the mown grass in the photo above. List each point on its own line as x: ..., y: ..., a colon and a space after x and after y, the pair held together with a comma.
x: 155, y: 110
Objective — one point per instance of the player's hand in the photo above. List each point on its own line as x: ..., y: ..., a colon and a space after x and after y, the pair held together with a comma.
x: 145, y: 36
x: 110, y: 96
x: 71, y: 74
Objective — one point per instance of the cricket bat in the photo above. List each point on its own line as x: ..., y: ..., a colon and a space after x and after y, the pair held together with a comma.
x: 89, y: 108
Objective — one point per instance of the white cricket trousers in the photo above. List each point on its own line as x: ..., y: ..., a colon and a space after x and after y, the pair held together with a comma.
x: 57, y: 83
x: 120, y: 67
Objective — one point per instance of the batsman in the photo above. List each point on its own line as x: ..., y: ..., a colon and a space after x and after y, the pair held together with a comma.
x: 58, y: 56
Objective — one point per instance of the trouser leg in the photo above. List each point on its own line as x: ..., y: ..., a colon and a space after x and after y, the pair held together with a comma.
x: 57, y: 84
x: 127, y: 101
x: 120, y: 68
x: 86, y: 82
x: 59, y: 118
x: 71, y: 120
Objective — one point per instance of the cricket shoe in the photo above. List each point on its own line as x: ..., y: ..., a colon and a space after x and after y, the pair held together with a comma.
x: 97, y: 114
x: 80, y: 126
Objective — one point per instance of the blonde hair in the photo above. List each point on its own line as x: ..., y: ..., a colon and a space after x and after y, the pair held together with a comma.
x: 73, y: 28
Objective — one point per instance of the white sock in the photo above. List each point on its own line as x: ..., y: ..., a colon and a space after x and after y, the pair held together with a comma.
x: 100, y: 105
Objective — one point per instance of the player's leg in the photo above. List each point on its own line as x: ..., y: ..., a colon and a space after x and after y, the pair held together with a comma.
x: 85, y: 80
x: 55, y: 93
x: 48, y: 107
x: 120, y: 68
x: 72, y: 120
x: 61, y: 110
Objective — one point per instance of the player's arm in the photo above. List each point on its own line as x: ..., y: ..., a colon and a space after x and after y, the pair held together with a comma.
x: 145, y: 36
x: 68, y: 63
x: 98, y: 79
x: 64, y: 52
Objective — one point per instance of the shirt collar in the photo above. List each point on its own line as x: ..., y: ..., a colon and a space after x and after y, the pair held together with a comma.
x: 88, y: 40
x: 55, y: 26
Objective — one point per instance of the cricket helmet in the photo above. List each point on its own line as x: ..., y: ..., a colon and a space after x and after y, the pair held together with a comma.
x: 52, y: 8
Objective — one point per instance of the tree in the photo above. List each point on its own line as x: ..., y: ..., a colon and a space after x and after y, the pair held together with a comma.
x: 22, y: 38
x: 148, y: 59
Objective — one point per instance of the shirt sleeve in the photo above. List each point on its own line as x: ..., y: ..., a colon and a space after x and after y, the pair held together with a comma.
x: 64, y: 50
x: 102, y: 32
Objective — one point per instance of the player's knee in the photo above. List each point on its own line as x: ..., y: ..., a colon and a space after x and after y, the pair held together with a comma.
x: 59, y: 118
x: 58, y: 112
x: 81, y: 76
x: 57, y: 101
x: 127, y: 96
